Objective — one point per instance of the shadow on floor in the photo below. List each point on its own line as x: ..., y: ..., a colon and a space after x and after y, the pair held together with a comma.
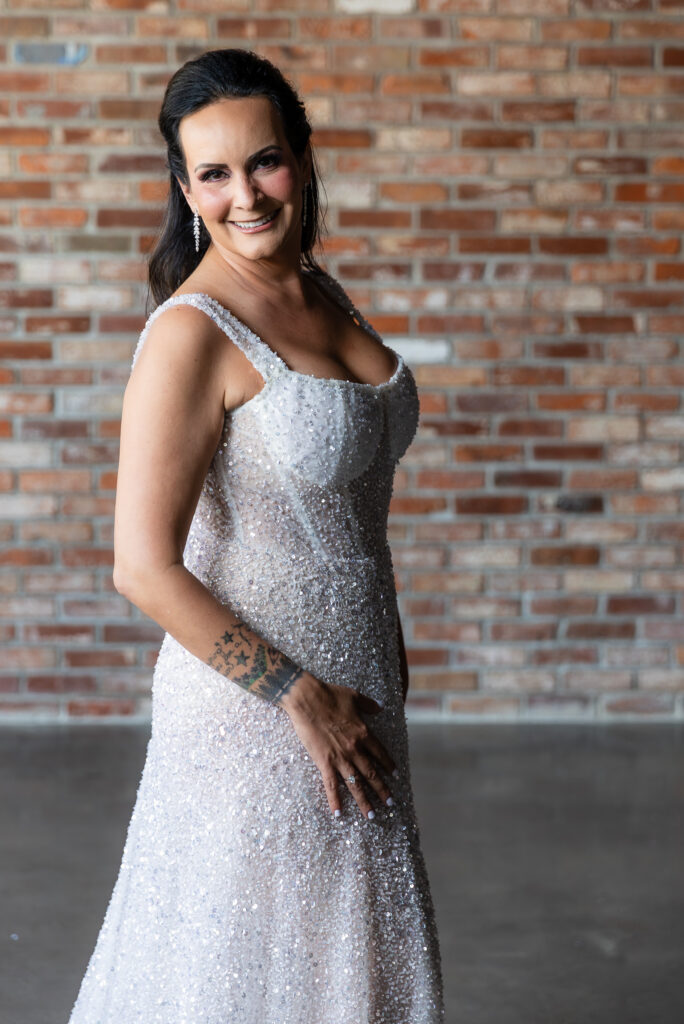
x: 555, y: 852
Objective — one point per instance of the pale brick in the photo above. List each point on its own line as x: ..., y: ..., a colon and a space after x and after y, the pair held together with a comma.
x: 489, y: 83
x: 29, y: 607
x: 494, y: 654
x: 405, y: 301
x: 92, y: 297
x: 98, y: 191
x: 527, y: 681
x: 23, y: 453
x: 379, y: 6
x: 421, y: 350
x: 41, y: 270
x: 663, y: 479
x: 662, y: 679
x: 584, y: 680
x: 17, y: 506
x: 486, y: 554
x: 635, y: 656
x: 601, y: 531
x: 351, y: 193
x: 641, y: 558
x: 597, y: 579
x: 644, y: 453
x: 416, y: 139
x: 603, y: 428
x: 596, y: 84
x: 97, y: 403
x: 665, y: 426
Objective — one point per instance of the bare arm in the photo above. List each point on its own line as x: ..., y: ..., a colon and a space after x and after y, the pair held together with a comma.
x: 170, y: 428
x: 172, y: 419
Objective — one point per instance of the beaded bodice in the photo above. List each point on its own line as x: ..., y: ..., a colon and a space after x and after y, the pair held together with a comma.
x: 304, y: 469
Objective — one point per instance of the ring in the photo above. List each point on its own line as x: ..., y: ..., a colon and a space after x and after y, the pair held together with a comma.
x: 352, y: 779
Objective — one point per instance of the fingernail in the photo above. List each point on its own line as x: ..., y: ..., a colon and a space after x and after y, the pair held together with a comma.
x: 338, y: 813
x: 371, y: 815
x: 389, y: 801
x: 395, y: 773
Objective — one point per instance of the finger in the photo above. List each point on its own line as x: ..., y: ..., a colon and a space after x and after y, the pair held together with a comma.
x: 372, y: 776
x: 367, y: 704
x: 332, y: 790
x: 378, y: 751
x: 348, y: 773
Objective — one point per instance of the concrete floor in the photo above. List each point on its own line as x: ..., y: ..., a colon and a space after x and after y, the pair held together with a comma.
x: 556, y: 855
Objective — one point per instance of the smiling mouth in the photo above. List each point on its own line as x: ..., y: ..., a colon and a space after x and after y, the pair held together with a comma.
x: 251, y: 224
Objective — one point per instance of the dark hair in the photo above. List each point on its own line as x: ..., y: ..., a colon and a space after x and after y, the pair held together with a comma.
x: 210, y: 77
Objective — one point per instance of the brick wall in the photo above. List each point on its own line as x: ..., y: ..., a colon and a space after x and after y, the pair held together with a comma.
x: 505, y: 184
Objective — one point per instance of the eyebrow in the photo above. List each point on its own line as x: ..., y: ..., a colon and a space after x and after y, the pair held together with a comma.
x: 217, y: 163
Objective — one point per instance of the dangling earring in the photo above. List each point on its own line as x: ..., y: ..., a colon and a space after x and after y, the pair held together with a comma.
x: 196, y: 229
x: 305, y: 194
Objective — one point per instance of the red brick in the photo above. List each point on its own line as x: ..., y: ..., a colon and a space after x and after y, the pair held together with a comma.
x: 341, y: 137
x: 564, y: 452
x: 100, y: 708
x: 326, y: 28
x: 491, y: 505
x: 458, y: 220
x: 52, y: 217
x: 135, y: 54
x: 27, y: 136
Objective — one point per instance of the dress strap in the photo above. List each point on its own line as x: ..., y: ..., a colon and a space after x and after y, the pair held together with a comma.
x: 258, y: 353
x: 335, y: 289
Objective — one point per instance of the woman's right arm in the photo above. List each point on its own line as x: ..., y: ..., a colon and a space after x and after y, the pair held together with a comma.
x: 172, y: 419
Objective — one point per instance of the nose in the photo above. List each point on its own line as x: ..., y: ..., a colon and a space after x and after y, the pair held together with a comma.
x: 244, y: 192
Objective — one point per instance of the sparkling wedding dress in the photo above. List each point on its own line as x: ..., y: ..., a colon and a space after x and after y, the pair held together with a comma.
x: 240, y: 899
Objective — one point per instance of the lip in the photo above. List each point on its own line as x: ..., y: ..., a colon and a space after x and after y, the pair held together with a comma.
x: 262, y: 227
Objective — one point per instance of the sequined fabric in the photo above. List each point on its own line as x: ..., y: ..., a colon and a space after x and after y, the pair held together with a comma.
x: 240, y: 899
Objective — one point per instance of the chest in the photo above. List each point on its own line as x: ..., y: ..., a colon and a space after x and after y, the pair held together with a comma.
x: 322, y: 341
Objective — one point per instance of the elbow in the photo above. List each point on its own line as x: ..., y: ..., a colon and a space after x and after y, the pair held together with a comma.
x: 130, y: 580
x: 138, y: 582
x: 121, y: 578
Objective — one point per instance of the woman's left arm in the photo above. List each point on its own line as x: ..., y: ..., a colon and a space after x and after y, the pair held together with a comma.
x: 403, y: 663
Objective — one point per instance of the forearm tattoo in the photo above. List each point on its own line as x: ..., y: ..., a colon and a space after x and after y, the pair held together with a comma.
x: 263, y: 670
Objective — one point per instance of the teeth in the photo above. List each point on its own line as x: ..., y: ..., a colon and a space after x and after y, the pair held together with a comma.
x: 255, y: 223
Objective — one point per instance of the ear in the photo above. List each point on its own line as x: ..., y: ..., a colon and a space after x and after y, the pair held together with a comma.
x: 186, y: 192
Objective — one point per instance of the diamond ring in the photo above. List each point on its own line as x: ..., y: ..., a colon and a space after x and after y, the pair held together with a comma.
x: 352, y: 779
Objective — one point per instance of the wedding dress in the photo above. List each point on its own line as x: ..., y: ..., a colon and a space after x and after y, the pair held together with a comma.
x: 240, y: 898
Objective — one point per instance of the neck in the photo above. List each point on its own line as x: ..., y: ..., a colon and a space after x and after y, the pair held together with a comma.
x: 282, y: 276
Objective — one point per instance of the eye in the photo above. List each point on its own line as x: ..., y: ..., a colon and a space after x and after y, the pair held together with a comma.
x: 269, y: 160
x: 207, y: 174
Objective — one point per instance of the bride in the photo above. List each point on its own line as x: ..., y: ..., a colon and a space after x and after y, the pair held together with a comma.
x: 272, y: 871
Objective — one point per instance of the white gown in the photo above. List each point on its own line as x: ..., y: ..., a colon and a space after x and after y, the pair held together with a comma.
x: 240, y: 899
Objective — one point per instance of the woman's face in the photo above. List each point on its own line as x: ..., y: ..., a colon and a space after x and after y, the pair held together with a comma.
x: 241, y: 170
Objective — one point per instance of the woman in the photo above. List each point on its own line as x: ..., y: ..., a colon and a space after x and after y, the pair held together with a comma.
x: 272, y: 871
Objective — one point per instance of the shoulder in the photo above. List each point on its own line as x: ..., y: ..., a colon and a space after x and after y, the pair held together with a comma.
x: 181, y: 332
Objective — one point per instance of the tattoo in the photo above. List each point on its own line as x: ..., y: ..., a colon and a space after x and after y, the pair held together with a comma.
x: 262, y: 670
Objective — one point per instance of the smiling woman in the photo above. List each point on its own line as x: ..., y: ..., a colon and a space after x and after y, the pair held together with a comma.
x: 195, y: 87
x: 272, y: 871
x: 254, y: 191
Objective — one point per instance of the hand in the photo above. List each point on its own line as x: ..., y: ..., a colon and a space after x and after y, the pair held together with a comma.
x: 327, y: 719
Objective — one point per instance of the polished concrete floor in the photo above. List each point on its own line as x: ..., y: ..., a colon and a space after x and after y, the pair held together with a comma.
x: 556, y: 855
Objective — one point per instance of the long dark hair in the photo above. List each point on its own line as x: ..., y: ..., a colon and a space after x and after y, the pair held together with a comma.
x: 212, y: 76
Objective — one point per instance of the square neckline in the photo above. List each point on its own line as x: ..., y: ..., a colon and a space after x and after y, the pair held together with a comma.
x: 256, y: 339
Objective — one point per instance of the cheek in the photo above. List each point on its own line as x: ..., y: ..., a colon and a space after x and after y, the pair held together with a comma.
x: 212, y: 201
x: 281, y: 183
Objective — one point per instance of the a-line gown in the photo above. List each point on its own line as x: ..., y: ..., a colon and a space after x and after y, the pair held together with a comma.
x: 240, y: 898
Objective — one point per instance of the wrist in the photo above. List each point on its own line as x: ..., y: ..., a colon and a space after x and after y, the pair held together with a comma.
x: 295, y: 700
